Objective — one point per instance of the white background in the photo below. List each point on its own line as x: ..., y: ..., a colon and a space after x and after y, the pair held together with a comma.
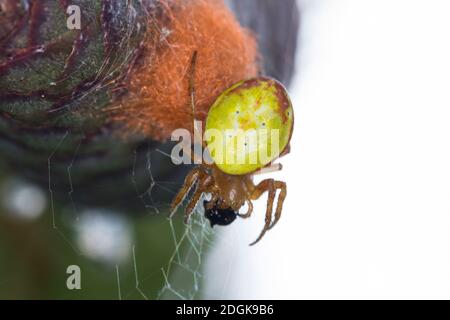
x: 368, y: 207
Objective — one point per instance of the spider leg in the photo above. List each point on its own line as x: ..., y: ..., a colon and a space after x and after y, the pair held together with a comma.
x: 283, y: 192
x: 197, y: 128
x: 189, y: 182
x: 203, y: 185
x: 249, y: 211
x: 214, y: 197
x: 265, y: 185
x: 196, y: 155
x: 274, y: 167
x: 192, y: 82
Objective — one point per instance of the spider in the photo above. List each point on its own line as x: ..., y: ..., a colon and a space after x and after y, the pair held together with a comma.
x: 257, y: 103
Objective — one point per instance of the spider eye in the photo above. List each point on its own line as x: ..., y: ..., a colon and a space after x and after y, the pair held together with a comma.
x: 217, y: 216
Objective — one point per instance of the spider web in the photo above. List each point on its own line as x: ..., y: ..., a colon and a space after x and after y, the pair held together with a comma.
x: 186, y: 265
x: 182, y: 274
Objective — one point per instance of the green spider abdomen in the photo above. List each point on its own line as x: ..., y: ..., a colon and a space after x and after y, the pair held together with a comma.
x: 249, y: 125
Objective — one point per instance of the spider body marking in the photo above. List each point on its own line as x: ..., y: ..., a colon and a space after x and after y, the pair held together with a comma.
x: 255, y: 104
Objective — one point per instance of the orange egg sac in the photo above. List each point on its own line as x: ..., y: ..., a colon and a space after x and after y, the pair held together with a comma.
x: 157, y: 101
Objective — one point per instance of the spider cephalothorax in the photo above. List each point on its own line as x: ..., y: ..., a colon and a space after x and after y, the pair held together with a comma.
x: 260, y: 106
